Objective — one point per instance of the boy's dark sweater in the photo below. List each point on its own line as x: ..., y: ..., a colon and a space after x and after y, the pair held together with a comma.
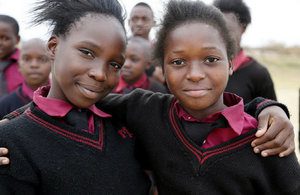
x: 13, y: 101
x: 181, y: 167
x: 251, y: 81
x: 50, y: 157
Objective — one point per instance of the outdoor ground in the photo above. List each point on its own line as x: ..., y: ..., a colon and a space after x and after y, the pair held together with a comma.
x: 284, y: 66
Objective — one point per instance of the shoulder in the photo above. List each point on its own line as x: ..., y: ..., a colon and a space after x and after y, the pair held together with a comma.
x: 156, y: 86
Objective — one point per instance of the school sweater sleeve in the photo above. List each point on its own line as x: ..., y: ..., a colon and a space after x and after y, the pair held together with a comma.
x: 129, y: 107
x: 20, y: 174
x: 258, y: 104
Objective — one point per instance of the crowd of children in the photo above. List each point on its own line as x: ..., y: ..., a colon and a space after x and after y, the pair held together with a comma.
x: 34, y: 65
x: 74, y: 138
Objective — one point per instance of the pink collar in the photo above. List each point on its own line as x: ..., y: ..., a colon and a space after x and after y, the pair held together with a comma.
x: 141, y: 83
x: 239, y: 60
x: 232, y: 113
x: 56, y: 107
x: 27, y: 91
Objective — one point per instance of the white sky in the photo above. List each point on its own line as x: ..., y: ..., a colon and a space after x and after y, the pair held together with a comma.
x: 272, y: 21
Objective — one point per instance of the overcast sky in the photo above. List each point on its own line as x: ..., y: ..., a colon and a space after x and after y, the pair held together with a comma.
x: 272, y: 20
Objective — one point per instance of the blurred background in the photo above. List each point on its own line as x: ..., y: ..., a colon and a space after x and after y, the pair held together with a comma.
x: 273, y: 38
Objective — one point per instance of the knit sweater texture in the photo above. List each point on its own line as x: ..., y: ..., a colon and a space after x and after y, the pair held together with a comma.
x: 49, y: 156
x: 12, y: 101
x: 182, y: 167
x: 251, y: 81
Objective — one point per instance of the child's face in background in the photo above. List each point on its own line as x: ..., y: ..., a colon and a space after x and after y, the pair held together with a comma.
x: 235, y: 28
x: 8, y: 39
x: 141, y: 21
x: 196, y: 68
x: 34, y: 64
x: 87, y: 60
x: 135, y: 62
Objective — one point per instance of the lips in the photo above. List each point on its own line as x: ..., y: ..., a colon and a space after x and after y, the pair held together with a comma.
x: 199, y: 92
x: 125, y: 72
x: 90, y: 91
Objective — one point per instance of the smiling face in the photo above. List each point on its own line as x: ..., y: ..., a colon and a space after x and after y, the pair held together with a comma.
x: 141, y: 21
x: 8, y: 39
x: 197, y: 68
x: 87, y: 60
x: 34, y: 63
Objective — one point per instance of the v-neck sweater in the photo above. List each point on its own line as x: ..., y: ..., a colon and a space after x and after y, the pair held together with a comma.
x: 49, y: 156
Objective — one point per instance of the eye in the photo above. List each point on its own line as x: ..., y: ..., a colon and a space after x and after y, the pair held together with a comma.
x: 25, y: 58
x: 178, y: 62
x: 87, y: 53
x: 211, y: 60
x: 115, y: 65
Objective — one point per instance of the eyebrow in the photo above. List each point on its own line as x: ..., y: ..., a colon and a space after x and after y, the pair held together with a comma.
x: 121, y: 57
x: 206, y: 48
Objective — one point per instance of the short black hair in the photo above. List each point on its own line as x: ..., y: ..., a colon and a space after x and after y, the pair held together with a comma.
x: 237, y: 7
x: 62, y: 14
x: 12, y: 21
x: 179, y: 12
x: 143, y: 4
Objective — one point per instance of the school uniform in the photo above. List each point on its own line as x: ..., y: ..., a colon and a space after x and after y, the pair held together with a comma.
x: 58, y: 149
x: 143, y: 83
x: 20, y: 97
x: 215, y: 160
x: 10, y: 76
x: 250, y: 79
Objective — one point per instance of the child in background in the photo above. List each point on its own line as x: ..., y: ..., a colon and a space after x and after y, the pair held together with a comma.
x: 63, y: 144
x: 250, y: 79
x: 198, y: 142
x: 137, y: 59
x: 34, y: 65
x: 10, y: 77
x: 151, y: 114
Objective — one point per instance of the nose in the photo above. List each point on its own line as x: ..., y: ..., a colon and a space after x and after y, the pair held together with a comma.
x: 127, y: 64
x: 98, y: 72
x: 34, y: 63
x: 196, y: 71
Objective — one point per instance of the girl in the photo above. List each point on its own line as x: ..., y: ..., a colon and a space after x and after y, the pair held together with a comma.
x: 198, y: 142
x: 151, y: 115
x: 64, y: 144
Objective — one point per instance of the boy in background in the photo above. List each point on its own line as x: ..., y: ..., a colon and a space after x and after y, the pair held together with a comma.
x: 34, y: 65
x: 250, y: 78
x: 10, y: 77
x: 137, y: 60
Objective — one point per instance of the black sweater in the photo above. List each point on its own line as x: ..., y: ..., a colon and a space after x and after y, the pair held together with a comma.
x: 182, y: 167
x: 251, y: 81
x: 12, y: 101
x: 50, y: 157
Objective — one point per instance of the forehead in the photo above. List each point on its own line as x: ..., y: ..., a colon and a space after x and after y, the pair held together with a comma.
x: 97, y: 28
x: 141, y: 11
x: 231, y: 20
x: 195, y: 34
x: 6, y: 27
x: 135, y: 47
x: 36, y: 47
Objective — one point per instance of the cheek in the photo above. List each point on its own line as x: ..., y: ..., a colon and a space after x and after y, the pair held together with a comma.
x: 113, y: 79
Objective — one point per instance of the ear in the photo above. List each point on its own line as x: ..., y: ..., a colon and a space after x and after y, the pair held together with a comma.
x: 51, y: 46
x: 153, y: 23
x: 230, y: 68
x: 18, y: 39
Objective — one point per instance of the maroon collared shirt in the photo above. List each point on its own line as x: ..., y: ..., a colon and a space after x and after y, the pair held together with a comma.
x: 58, y: 108
x: 12, y: 74
x: 239, y: 60
x: 239, y: 121
x: 142, y: 83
